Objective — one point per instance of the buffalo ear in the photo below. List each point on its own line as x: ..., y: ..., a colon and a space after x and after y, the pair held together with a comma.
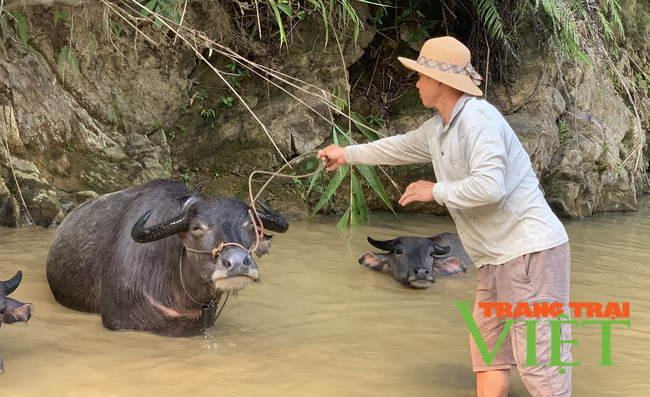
x: 377, y: 262
x: 449, y: 266
x: 15, y: 311
x: 264, y: 246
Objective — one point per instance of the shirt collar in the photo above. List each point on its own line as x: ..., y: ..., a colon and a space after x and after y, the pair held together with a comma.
x: 459, y: 106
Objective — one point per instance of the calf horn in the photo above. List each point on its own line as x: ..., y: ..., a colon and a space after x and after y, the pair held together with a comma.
x: 440, y: 250
x: 142, y: 234
x: 271, y: 219
x: 386, y: 245
x: 13, y: 283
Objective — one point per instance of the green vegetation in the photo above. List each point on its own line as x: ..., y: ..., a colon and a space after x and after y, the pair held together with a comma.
x: 208, y: 113
x: 564, y: 129
x: 171, y: 9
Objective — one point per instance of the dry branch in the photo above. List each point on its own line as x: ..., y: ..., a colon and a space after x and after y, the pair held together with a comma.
x: 14, y: 5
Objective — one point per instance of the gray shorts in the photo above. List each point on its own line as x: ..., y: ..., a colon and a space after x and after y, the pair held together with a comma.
x: 538, y: 277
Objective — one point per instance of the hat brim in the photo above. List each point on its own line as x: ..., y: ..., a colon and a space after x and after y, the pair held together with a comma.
x: 460, y: 82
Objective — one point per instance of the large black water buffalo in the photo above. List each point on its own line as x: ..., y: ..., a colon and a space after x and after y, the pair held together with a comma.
x: 162, y: 278
x: 11, y: 310
x: 412, y: 260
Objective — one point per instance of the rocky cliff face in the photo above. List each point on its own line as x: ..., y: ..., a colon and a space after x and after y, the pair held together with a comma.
x: 138, y: 112
x: 97, y: 133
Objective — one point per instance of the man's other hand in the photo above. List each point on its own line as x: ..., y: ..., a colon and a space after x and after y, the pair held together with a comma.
x: 333, y: 157
x: 418, y: 191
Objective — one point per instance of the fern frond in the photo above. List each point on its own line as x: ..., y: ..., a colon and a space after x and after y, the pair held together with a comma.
x: 490, y: 17
x: 21, y: 26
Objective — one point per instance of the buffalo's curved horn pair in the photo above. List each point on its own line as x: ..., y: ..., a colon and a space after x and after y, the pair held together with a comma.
x: 13, y: 283
x: 387, y: 245
x: 270, y: 219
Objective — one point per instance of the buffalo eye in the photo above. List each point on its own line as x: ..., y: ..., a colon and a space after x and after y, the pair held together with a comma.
x: 195, y: 227
x: 431, y: 254
x: 399, y: 251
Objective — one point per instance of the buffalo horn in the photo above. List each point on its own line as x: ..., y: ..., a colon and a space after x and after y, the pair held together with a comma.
x: 271, y: 220
x: 13, y: 283
x: 382, y: 245
x: 440, y: 250
x: 142, y: 234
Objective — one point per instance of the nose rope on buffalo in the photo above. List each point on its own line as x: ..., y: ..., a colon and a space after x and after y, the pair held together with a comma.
x: 273, y: 175
x: 209, y: 308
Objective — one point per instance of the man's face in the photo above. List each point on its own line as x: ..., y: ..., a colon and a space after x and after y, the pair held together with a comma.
x: 429, y: 90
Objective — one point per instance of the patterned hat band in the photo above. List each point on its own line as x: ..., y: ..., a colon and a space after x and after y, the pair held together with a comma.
x: 467, y: 70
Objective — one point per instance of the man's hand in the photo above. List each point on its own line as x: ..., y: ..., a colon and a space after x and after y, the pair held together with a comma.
x: 333, y: 157
x: 418, y: 191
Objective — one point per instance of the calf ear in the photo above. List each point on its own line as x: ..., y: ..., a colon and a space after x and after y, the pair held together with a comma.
x: 449, y: 266
x: 374, y: 261
x: 264, y: 245
x: 15, y: 311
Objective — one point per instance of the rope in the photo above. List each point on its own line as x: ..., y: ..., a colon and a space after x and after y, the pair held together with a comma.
x: 258, y: 226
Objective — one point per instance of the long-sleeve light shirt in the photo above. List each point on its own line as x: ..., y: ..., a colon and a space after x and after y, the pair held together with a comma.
x: 484, y: 178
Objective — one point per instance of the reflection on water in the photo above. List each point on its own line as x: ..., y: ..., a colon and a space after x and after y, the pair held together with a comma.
x: 321, y: 325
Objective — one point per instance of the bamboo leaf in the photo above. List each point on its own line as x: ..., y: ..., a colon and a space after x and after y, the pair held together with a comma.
x: 371, y: 176
x: 333, y: 185
x: 585, y: 58
x: 150, y: 7
x: 361, y: 124
x: 278, y: 17
x: 357, y: 191
x: 343, y: 223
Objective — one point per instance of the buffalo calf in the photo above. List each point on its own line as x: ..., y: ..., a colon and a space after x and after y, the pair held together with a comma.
x: 11, y: 310
x: 412, y: 260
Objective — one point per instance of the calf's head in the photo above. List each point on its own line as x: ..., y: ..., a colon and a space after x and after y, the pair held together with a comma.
x: 412, y: 260
x: 11, y: 310
x: 224, y: 224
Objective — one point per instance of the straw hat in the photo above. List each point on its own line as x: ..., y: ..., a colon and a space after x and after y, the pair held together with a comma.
x: 447, y: 60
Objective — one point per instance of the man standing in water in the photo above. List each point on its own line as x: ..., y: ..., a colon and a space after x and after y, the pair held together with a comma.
x: 486, y: 181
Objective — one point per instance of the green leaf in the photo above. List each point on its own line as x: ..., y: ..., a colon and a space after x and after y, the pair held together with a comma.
x: 285, y: 8
x: 585, y: 58
x: 150, y: 7
x: 371, y: 176
x: 343, y: 223
x: 21, y: 25
x: 63, y: 59
x: 310, y: 165
x: 335, y: 136
x: 312, y: 179
x: 333, y: 185
x: 363, y: 126
x: 90, y: 40
x: 278, y: 17
x: 345, y: 135
x: 357, y: 191
x: 74, y: 64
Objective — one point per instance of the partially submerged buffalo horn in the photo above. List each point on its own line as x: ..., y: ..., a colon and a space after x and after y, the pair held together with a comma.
x: 141, y: 234
x: 271, y: 219
x: 382, y: 245
x: 13, y: 283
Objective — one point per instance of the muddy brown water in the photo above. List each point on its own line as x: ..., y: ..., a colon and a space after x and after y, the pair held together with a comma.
x: 321, y: 325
